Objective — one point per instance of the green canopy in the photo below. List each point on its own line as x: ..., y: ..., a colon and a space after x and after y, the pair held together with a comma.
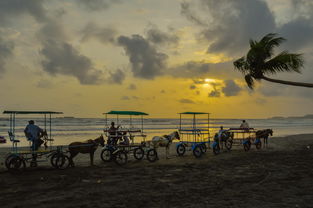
x: 130, y: 113
x: 194, y: 113
x: 31, y: 112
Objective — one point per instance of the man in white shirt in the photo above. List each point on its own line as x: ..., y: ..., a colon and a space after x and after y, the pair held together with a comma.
x: 244, y: 125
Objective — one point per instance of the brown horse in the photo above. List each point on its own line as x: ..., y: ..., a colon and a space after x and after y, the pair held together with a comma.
x: 89, y: 146
x: 265, y: 133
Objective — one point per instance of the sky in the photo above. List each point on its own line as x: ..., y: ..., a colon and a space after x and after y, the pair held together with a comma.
x: 86, y: 57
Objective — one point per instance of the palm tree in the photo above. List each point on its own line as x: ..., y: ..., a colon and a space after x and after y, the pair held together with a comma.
x: 259, y: 62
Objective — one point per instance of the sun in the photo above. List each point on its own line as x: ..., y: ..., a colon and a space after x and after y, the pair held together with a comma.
x: 208, y: 80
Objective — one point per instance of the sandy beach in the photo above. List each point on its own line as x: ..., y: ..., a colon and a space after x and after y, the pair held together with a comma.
x: 279, y: 176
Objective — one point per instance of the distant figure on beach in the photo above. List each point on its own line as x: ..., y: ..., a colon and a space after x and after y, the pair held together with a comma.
x: 33, y: 133
x: 244, y: 125
x: 221, y: 132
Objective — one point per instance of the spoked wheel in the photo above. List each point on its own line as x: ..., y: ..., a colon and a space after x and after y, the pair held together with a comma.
x: 197, y: 152
x: 203, y: 148
x: 16, y: 163
x: 7, y: 160
x: 121, y: 158
x: 216, y: 149
x: 229, y: 144
x: 106, y: 155
x: 247, y: 146
x: 60, y: 161
x: 152, y: 155
x: 181, y: 149
x: 258, y: 145
x: 139, y: 153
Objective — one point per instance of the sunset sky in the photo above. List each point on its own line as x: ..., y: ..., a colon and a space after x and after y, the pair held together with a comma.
x: 86, y: 57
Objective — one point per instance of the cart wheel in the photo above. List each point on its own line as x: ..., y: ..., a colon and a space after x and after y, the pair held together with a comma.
x: 7, y: 160
x: 121, y: 158
x: 180, y: 149
x: 152, y: 155
x: 216, y: 150
x: 258, y: 145
x: 106, y: 155
x: 16, y: 163
x: 197, y: 152
x: 247, y: 146
x: 229, y: 144
x: 139, y: 153
x: 203, y: 148
x: 60, y: 161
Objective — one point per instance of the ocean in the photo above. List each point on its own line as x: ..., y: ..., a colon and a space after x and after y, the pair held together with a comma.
x: 66, y: 130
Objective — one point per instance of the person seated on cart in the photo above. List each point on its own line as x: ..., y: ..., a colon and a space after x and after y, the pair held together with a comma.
x: 33, y: 133
x: 113, y: 134
x: 244, y: 125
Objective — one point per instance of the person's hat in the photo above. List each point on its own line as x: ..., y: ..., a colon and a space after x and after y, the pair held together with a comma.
x: 31, y: 121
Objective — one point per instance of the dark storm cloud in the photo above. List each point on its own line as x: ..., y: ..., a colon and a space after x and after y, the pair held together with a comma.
x: 214, y: 93
x: 6, y: 51
x: 9, y: 9
x: 63, y: 58
x: 104, y: 35
x: 60, y: 57
x: 116, y: 77
x: 186, y: 101
x: 235, y: 22
x: 231, y: 88
x: 97, y: 5
x: 190, y: 69
x: 157, y: 36
x: 146, y: 61
x: 190, y: 14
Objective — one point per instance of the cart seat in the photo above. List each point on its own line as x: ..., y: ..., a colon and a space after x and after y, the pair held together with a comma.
x: 12, y: 137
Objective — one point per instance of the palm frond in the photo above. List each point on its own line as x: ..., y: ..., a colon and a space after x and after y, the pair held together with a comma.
x: 240, y: 65
x: 250, y: 81
x: 284, y: 62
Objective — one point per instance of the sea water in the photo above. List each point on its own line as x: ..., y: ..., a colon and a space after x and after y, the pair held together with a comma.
x: 66, y: 130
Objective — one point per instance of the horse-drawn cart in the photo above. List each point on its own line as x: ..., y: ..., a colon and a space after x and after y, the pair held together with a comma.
x: 19, y: 156
x: 194, y: 137
x: 127, y: 140
x: 249, y: 136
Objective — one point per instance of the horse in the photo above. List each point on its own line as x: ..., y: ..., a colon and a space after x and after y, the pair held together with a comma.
x: 89, y: 146
x: 264, y: 134
x: 164, y: 141
x: 227, y: 139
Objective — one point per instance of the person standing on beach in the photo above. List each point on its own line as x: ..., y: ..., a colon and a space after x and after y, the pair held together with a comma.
x: 113, y: 133
x: 244, y: 125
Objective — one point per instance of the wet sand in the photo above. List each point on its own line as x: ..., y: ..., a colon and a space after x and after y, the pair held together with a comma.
x: 279, y: 176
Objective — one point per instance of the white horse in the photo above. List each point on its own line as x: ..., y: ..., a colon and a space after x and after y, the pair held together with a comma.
x: 164, y: 141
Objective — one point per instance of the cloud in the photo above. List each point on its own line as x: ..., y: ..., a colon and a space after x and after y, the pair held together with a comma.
x: 44, y: 83
x: 214, y: 93
x: 132, y: 87
x: 191, y: 15
x: 116, y: 77
x: 104, y: 35
x: 231, y: 88
x: 190, y: 69
x: 186, y: 101
x: 146, y: 61
x: 97, y: 5
x: 157, y: 36
x: 9, y: 9
x: 6, y: 51
x: 125, y: 98
x: 61, y: 57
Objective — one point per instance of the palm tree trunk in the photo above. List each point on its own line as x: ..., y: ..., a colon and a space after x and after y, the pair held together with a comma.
x: 299, y: 84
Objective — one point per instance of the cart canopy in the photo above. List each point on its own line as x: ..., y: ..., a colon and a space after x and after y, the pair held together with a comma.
x: 194, y: 113
x: 31, y: 112
x: 130, y: 113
